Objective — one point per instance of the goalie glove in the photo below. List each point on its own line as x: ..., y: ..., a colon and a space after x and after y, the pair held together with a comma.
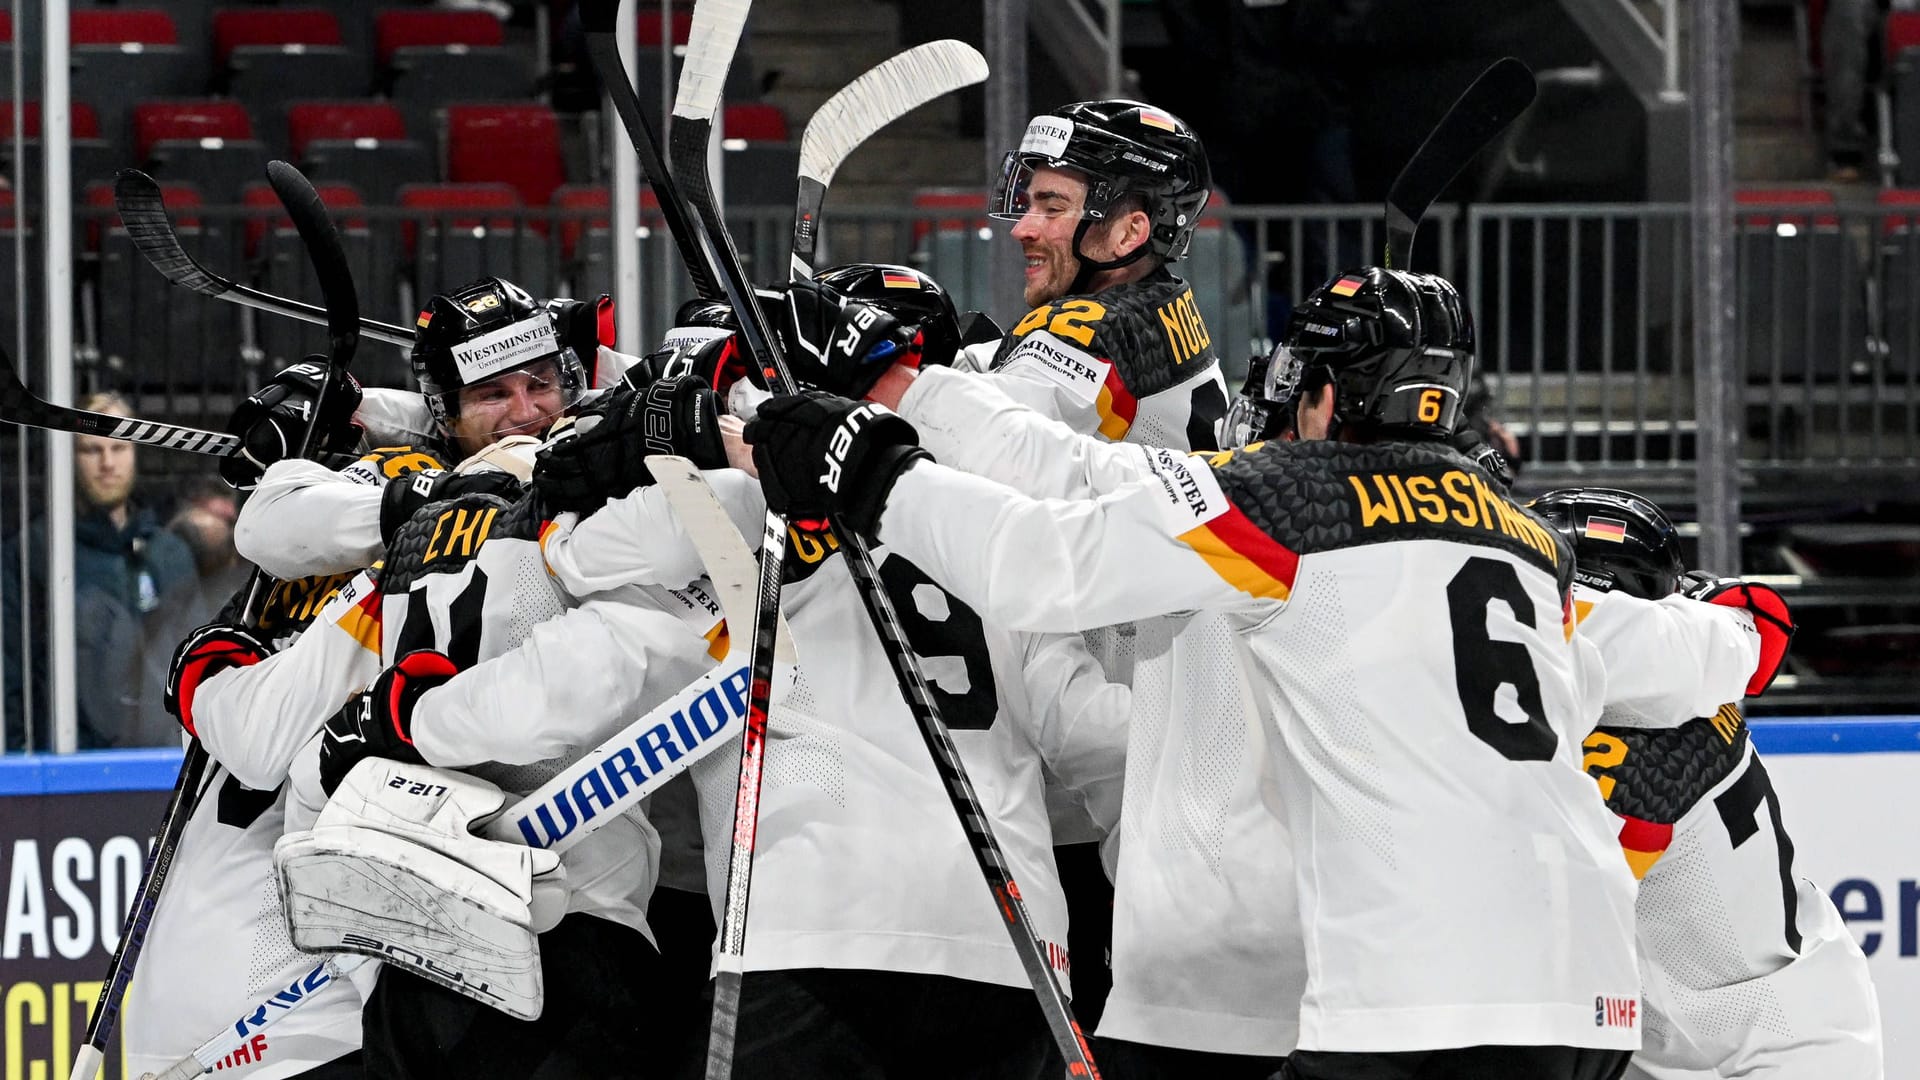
x: 405, y: 495
x: 378, y: 721
x: 1770, y: 617
x: 273, y: 419
x: 207, y: 651
x: 820, y: 455
x: 602, y: 454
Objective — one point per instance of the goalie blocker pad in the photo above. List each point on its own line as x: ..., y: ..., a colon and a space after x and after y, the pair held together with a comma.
x: 391, y: 871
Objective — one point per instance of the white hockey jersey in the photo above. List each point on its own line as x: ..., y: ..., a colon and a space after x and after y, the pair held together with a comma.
x: 1747, y: 970
x: 1200, y: 842
x: 1405, y: 629
x: 849, y: 785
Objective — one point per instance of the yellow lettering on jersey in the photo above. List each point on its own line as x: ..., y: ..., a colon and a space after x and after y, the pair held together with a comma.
x: 1425, y: 492
x: 1074, y: 322
x: 1727, y: 722
x: 1604, y: 751
x: 1177, y: 337
x: 1035, y: 319
x: 1371, y: 512
x: 1455, y: 497
x: 1400, y: 489
x: 808, y: 547
x: 465, y: 531
x: 404, y: 460
x: 1460, y: 490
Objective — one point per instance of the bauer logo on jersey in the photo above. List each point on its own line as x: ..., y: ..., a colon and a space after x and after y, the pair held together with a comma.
x: 1076, y: 370
x: 1190, y: 493
x: 1047, y: 136
x: 508, y: 347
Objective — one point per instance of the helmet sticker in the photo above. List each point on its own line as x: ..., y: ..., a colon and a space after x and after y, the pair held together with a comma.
x: 1158, y: 119
x: 894, y: 279
x: 1347, y: 286
x: 1599, y: 528
x: 508, y: 347
x: 1047, y: 136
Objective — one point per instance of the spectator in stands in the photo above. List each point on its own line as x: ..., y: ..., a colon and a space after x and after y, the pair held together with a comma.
x: 203, y: 521
x: 1846, y: 50
x: 123, y: 562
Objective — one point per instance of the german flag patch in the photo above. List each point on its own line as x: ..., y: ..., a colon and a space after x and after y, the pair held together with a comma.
x: 1347, y: 286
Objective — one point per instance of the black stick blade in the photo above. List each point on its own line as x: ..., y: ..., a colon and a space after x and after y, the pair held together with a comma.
x: 1496, y: 99
x: 329, y: 256
x: 144, y: 214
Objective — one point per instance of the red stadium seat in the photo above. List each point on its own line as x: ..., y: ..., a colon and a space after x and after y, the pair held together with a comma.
x: 81, y: 122
x: 647, y: 27
x: 154, y: 121
x: 178, y: 195
x: 312, y: 120
x: 444, y: 201
x: 1785, y: 206
x: 409, y: 28
x: 1903, y: 206
x: 514, y: 144
x: 235, y: 27
x: 754, y: 121
x: 260, y: 196
x: 1903, y: 32
x: 591, y: 197
x: 118, y: 26
x: 940, y: 199
x: 6, y: 28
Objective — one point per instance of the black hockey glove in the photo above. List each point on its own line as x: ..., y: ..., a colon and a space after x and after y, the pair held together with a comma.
x: 405, y: 495
x: 583, y: 326
x: 835, y: 344
x: 1478, y: 450
x: 378, y: 721
x: 272, y: 420
x: 1770, y: 617
x: 207, y: 651
x: 602, y: 455
x: 820, y: 455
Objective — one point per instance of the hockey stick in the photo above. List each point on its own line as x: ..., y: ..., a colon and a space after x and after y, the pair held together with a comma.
x: 712, y: 39
x: 18, y: 405
x: 343, y: 331
x: 597, y: 18
x: 144, y: 213
x: 1496, y: 99
x: 683, y: 729
x: 265, y: 1013
x: 888, y: 91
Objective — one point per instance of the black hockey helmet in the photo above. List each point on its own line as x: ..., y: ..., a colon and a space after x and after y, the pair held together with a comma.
x: 1620, y: 540
x: 906, y: 294
x: 701, y: 311
x: 1121, y: 147
x: 482, y: 330
x: 1397, y: 347
x: 1264, y: 408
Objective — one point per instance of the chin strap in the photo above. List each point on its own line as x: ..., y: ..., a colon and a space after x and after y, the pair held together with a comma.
x: 1089, y: 267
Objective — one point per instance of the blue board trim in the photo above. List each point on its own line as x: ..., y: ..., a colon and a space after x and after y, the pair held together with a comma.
x: 156, y: 770
x: 1837, y: 735
x: 89, y: 771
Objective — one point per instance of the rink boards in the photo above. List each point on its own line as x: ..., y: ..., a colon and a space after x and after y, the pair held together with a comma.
x: 70, y: 861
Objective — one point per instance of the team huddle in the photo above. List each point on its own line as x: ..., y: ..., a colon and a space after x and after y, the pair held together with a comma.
x: 1394, y: 776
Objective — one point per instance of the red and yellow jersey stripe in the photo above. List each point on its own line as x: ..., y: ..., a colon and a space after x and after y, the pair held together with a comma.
x: 1116, y: 405
x: 1643, y: 842
x: 1244, y: 556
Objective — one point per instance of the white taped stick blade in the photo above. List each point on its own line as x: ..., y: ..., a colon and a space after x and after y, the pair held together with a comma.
x: 711, y: 41
x: 885, y: 93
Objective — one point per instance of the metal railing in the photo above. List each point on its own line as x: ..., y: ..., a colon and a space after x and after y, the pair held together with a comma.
x: 1582, y: 313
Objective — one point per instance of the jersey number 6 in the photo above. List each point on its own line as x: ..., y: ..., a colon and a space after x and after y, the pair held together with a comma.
x: 1482, y: 665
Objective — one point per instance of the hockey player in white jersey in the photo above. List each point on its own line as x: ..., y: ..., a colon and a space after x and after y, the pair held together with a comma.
x: 905, y: 952
x: 253, y: 695
x: 1746, y: 969
x: 464, y: 591
x: 1404, y: 631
